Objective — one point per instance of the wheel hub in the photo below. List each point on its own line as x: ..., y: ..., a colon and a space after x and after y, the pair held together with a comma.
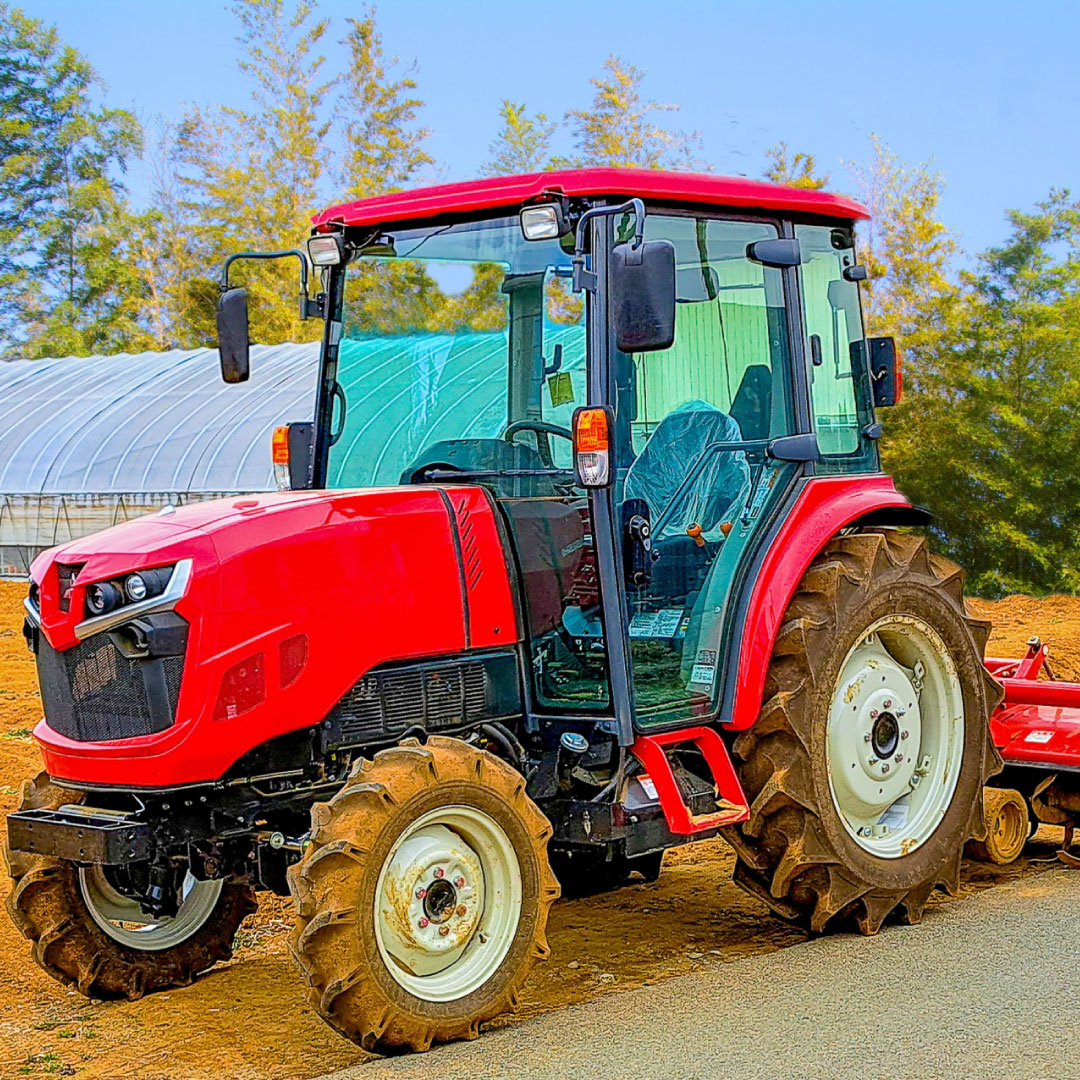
x: 895, y: 730
x: 431, y: 900
x: 885, y: 735
x: 875, y: 754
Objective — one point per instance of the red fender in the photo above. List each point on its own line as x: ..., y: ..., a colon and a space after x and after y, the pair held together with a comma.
x: 824, y: 506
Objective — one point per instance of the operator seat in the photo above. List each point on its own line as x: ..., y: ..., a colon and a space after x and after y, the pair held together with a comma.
x: 673, y: 451
x: 751, y: 407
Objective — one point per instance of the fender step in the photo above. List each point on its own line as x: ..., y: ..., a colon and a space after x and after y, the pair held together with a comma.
x: 731, y: 802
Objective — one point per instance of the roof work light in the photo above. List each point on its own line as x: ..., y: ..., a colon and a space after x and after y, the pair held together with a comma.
x: 325, y: 250
x: 542, y: 222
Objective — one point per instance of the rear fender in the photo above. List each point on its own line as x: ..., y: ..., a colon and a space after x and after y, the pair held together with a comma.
x: 823, y: 506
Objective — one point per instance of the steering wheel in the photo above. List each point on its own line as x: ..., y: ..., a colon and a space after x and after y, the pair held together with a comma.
x: 542, y: 430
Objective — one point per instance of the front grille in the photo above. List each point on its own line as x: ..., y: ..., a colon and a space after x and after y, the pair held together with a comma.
x: 435, y: 696
x: 94, y: 693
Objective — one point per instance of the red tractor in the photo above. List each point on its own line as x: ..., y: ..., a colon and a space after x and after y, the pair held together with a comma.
x: 593, y: 556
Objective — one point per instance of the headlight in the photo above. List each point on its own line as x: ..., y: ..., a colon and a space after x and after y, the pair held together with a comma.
x: 135, y: 587
x: 102, y: 598
x: 146, y: 583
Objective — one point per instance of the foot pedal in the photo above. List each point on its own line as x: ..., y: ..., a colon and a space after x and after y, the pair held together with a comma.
x: 731, y: 805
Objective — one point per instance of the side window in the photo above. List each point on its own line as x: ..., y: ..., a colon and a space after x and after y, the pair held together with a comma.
x: 833, y: 322
x: 730, y: 335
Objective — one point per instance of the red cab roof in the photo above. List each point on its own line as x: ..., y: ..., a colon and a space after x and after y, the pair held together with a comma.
x: 493, y: 192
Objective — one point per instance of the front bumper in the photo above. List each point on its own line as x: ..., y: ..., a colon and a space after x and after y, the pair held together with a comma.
x: 79, y: 834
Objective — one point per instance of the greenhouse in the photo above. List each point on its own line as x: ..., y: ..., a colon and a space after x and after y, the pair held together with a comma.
x: 86, y: 443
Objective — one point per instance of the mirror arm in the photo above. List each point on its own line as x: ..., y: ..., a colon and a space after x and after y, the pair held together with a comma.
x: 585, y: 279
x: 308, y: 308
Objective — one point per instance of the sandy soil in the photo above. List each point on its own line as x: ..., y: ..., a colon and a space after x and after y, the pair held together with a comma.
x: 249, y: 1019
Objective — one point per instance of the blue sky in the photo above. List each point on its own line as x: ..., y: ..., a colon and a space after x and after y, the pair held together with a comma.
x: 990, y: 91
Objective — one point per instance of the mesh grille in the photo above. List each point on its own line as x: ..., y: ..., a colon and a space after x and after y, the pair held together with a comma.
x: 385, y: 703
x: 93, y: 693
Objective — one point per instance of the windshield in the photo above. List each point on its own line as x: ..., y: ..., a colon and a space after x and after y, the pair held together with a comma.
x: 456, y: 342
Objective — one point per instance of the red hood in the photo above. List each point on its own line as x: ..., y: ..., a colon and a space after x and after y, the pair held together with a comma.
x: 360, y: 578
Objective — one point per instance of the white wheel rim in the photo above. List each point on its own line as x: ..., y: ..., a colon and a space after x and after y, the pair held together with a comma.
x: 124, y: 920
x: 448, y: 903
x: 895, y: 736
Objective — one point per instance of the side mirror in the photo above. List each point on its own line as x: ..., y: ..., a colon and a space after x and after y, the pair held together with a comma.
x: 778, y: 253
x: 643, y: 296
x: 232, y: 328
x: 885, y: 374
x: 291, y: 449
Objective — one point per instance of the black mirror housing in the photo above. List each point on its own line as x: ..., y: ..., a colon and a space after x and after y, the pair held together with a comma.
x: 233, y: 342
x: 778, y: 253
x: 885, y: 376
x: 643, y: 296
x: 301, y: 450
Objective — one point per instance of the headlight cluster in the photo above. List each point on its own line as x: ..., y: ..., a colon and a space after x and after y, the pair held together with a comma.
x: 105, y: 596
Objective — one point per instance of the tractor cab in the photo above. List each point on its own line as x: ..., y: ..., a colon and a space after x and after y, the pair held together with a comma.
x: 720, y: 348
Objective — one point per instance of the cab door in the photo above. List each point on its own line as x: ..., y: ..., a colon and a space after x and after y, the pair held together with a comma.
x: 693, y: 424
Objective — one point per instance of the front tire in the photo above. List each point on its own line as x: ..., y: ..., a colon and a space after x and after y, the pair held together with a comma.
x: 422, y: 902
x: 89, y: 935
x: 866, y: 767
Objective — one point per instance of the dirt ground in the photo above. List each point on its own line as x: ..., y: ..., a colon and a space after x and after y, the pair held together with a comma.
x: 248, y: 1019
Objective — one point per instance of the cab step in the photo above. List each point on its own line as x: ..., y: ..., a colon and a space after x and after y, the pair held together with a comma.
x: 731, y: 804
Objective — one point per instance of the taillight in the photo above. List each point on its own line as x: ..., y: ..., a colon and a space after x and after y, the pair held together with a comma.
x: 279, y: 452
x: 592, y: 446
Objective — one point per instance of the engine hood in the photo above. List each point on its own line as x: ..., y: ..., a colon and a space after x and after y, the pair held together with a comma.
x: 347, y: 579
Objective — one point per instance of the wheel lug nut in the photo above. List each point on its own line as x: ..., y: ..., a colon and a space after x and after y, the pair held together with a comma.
x: 905, y: 733
x: 901, y: 712
x: 885, y: 768
x: 459, y: 882
x: 866, y: 737
x: 443, y: 931
x: 873, y: 714
x: 439, y: 871
x: 887, y: 703
x: 421, y: 893
x: 899, y: 758
x: 424, y: 920
x: 461, y: 909
x: 873, y: 760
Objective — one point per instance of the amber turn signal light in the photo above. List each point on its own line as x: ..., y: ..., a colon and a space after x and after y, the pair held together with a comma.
x: 592, y: 446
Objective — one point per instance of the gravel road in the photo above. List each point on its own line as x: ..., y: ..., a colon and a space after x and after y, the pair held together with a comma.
x: 984, y: 988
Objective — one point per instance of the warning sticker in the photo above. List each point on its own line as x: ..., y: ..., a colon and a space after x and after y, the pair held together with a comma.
x: 666, y: 623
x: 561, y: 389
x: 702, y: 673
x: 647, y: 784
x: 1038, y: 736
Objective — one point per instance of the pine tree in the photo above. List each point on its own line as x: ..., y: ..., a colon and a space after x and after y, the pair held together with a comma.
x: 799, y: 172
x: 66, y: 284
x: 384, y: 148
x: 250, y: 178
x: 619, y: 129
x: 991, y: 426
x: 906, y: 247
x: 523, y: 144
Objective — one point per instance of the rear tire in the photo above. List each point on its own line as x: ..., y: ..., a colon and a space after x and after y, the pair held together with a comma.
x: 422, y: 902
x: 832, y: 835
x: 1005, y: 813
x: 76, y: 921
